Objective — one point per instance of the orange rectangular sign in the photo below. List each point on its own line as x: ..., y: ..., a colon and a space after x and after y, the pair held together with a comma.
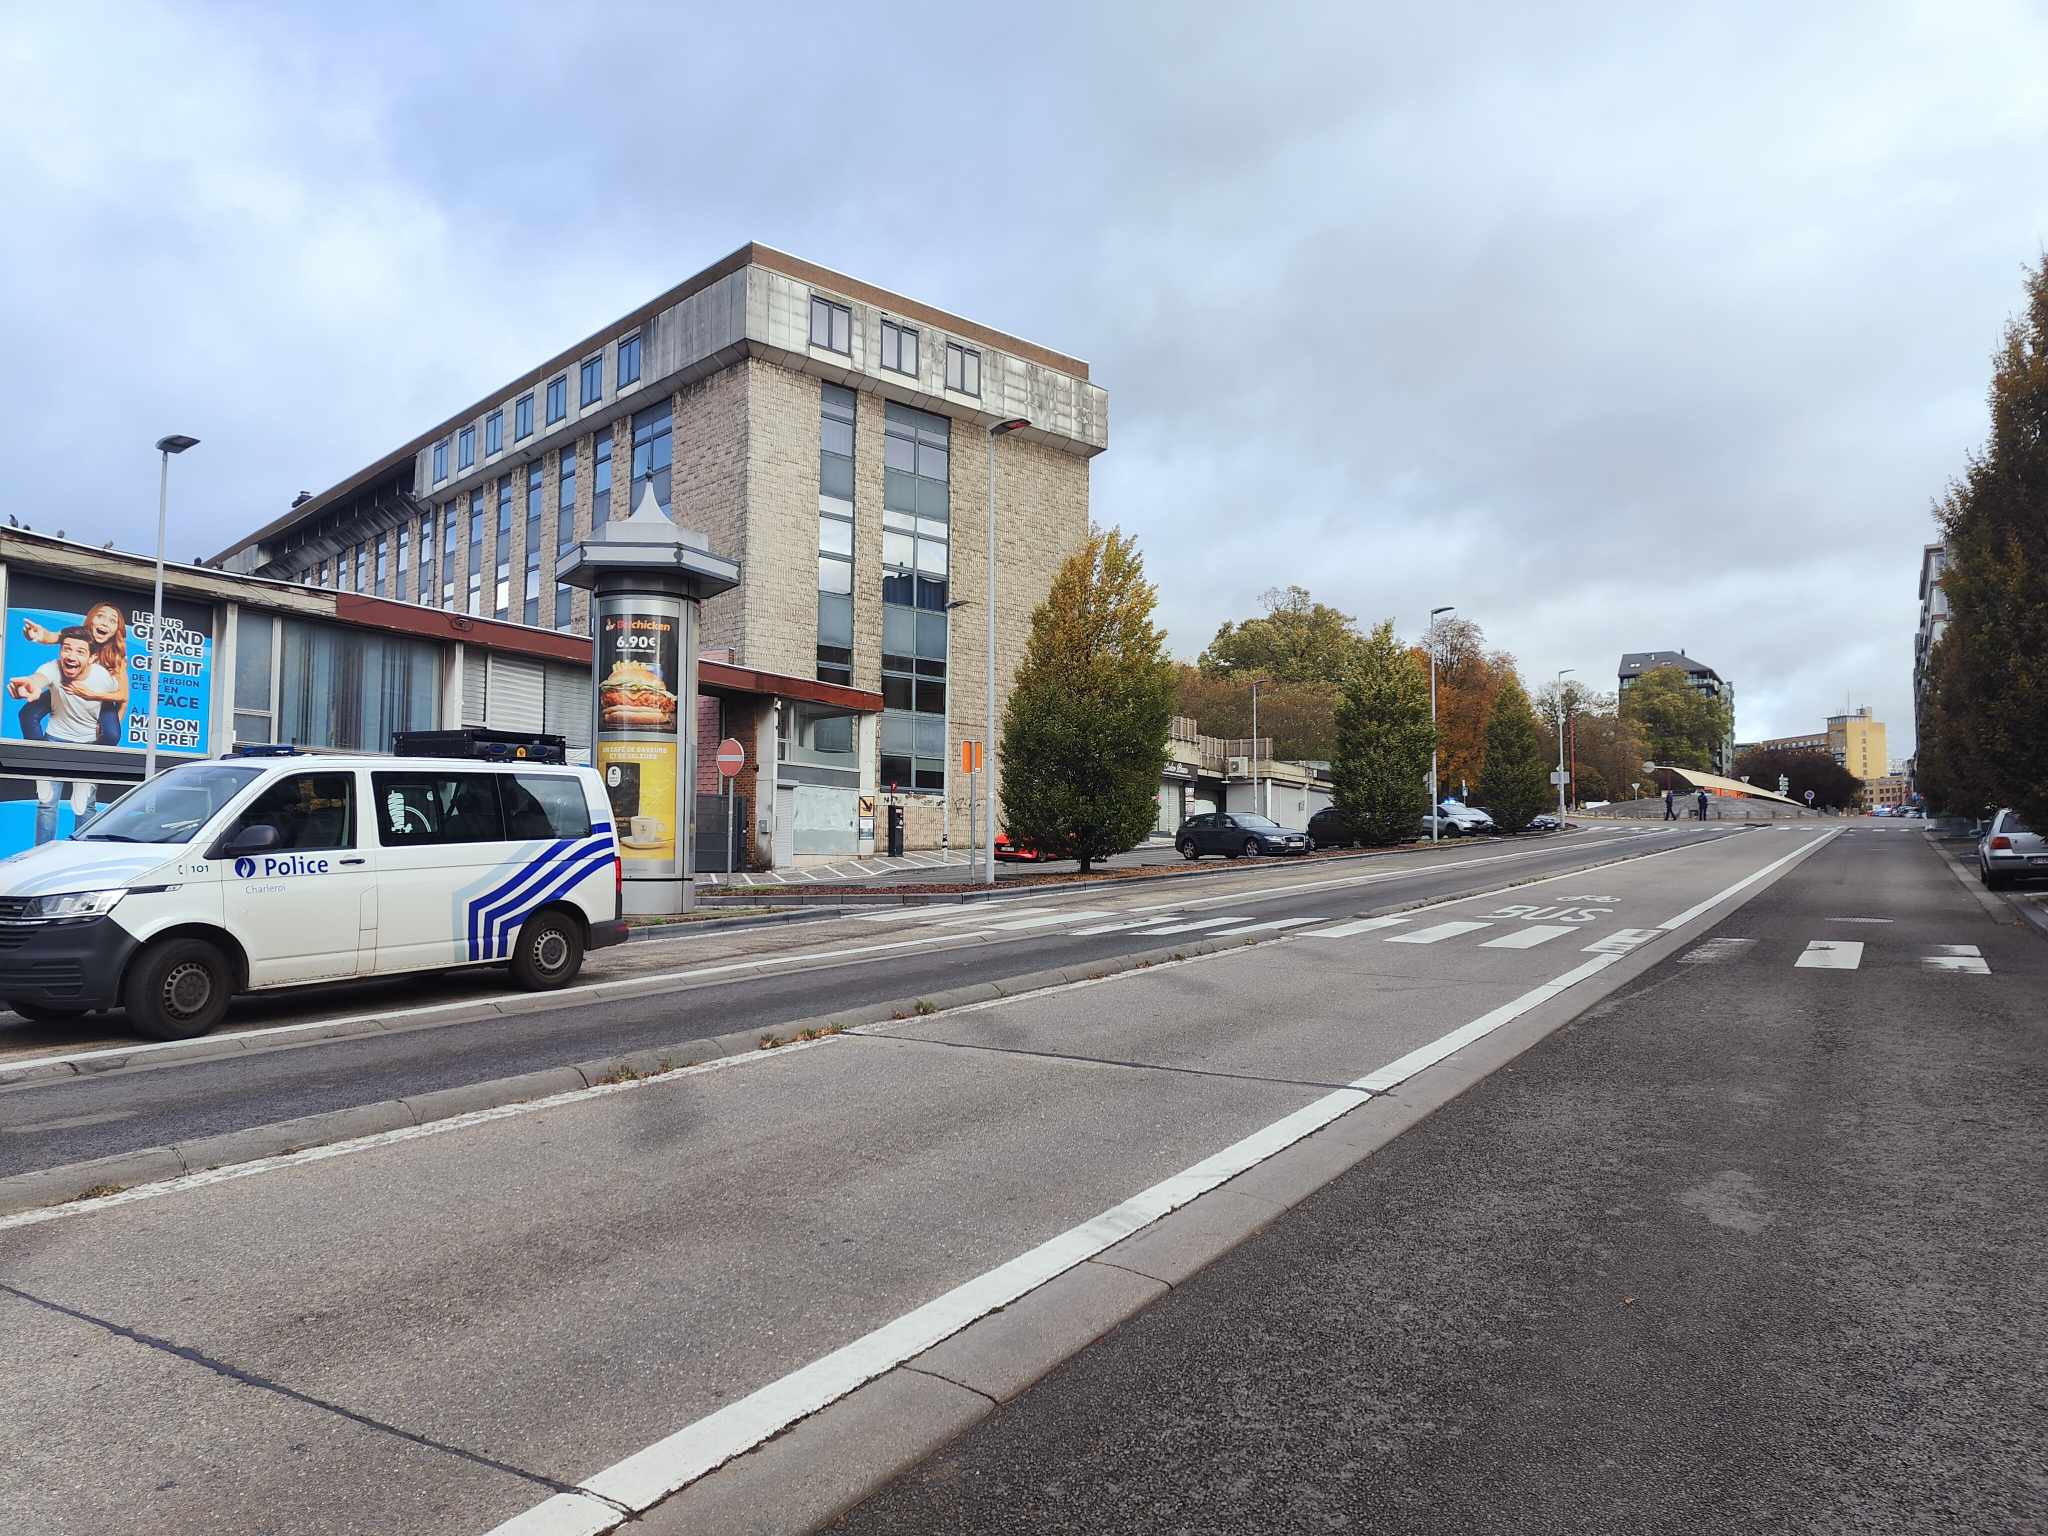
x: 970, y: 756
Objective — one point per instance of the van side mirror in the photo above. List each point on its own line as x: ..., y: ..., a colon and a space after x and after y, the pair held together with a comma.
x: 256, y: 839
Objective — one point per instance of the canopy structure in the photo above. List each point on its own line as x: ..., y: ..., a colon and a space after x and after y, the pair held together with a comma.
x: 1714, y: 784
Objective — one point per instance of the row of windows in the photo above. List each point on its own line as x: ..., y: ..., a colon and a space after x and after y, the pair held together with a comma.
x: 591, y: 383
x: 835, y: 535
x: 316, y: 812
x: 832, y: 329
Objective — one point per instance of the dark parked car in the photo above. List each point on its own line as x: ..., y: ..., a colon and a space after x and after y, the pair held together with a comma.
x: 1327, y: 829
x: 1544, y: 823
x: 1232, y: 834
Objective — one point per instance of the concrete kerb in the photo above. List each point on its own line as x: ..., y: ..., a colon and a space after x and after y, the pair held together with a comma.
x: 1997, y: 905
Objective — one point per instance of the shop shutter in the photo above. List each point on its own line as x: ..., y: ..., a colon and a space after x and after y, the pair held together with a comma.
x: 473, y: 665
x: 515, y: 698
x: 566, y: 706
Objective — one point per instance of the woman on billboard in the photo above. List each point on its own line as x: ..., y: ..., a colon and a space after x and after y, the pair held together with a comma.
x: 107, y: 632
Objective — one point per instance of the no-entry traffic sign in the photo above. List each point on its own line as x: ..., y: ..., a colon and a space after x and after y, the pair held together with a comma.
x: 731, y: 757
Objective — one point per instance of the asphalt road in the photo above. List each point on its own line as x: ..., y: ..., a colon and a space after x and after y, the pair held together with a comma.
x: 444, y: 1328
x: 1755, y: 1245
x: 820, y: 966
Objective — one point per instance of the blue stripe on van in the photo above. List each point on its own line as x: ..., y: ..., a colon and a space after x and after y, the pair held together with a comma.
x: 568, y: 875
x: 478, y: 905
x: 490, y: 915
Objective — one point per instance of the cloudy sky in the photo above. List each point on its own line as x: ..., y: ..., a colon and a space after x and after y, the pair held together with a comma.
x: 1617, y: 331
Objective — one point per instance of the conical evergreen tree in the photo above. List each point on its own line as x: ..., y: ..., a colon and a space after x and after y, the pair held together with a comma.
x: 1514, y: 782
x: 1084, y: 737
x: 1380, y: 773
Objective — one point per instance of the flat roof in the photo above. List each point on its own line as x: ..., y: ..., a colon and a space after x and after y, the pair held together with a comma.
x: 751, y: 254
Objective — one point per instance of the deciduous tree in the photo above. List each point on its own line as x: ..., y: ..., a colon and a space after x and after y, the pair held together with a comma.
x: 1468, y: 676
x: 1299, y: 717
x: 1682, y: 727
x: 1297, y: 640
x: 1380, y: 770
x: 1834, y: 787
x: 1084, y: 737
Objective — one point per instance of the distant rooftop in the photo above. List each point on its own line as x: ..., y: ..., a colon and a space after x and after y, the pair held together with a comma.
x: 1636, y: 662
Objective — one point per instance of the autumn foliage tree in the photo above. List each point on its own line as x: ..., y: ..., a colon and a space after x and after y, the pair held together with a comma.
x: 1084, y: 737
x: 1514, y: 784
x: 1990, y: 726
x: 1468, y: 676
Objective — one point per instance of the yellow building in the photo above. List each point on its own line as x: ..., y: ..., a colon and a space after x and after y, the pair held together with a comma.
x: 1857, y: 743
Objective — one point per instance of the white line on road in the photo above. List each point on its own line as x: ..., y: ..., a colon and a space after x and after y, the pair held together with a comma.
x: 1044, y: 920
x: 1620, y: 942
x: 1274, y: 926
x: 1969, y: 965
x: 1529, y: 938
x: 1672, y: 924
x: 1830, y: 955
x: 1437, y: 934
x: 1206, y: 922
x: 1363, y: 925
x: 1713, y: 951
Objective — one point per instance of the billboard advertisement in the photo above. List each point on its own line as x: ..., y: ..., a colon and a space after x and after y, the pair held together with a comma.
x: 639, y: 749
x: 77, y: 668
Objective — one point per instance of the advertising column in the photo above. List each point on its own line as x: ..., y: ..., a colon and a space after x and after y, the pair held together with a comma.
x: 645, y: 747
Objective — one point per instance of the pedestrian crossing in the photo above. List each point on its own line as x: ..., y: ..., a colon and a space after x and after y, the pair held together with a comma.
x: 1845, y: 955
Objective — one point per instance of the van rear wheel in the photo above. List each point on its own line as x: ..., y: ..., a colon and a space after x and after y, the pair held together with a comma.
x: 177, y: 989
x: 549, y: 952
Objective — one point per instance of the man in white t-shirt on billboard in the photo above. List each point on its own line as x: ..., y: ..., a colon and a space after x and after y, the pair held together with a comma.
x: 72, y: 718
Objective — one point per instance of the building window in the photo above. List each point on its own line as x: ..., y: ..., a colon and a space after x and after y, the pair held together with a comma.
x: 476, y: 548
x: 835, y: 536
x: 341, y: 570
x: 441, y: 461
x: 899, y: 347
x: 565, y: 606
x: 404, y: 543
x: 494, y: 433
x: 915, y: 513
x: 502, y: 609
x: 504, y: 512
x: 363, y: 568
x: 352, y: 688
x: 565, y: 500
x: 522, y: 419
x: 593, y: 380
x: 448, y: 531
x: 383, y: 588
x: 426, y: 593
x: 558, y: 399
x: 653, y: 444
x: 601, y: 483
x: 475, y: 608
x: 629, y: 360
x: 465, y: 448
x: 831, y: 326
x: 963, y: 369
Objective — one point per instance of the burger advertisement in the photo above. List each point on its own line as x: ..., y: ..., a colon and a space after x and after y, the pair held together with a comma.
x: 637, y: 672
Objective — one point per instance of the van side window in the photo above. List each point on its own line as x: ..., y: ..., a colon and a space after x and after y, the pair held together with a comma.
x: 313, y: 812
x: 416, y: 810
x: 543, y: 805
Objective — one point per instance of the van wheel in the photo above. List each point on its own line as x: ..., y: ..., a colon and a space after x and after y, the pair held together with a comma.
x: 549, y: 952
x: 177, y: 990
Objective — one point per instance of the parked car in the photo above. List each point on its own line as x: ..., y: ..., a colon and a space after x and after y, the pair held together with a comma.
x: 1442, y: 825
x: 1008, y: 847
x: 1468, y: 817
x: 2011, y: 851
x: 1544, y: 823
x: 1234, y: 834
x: 1327, y: 829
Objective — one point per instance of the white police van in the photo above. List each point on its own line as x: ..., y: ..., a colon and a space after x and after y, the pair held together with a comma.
x: 271, y: 868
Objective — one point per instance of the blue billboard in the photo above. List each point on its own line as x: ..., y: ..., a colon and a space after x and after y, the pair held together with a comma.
x: 77, y: 668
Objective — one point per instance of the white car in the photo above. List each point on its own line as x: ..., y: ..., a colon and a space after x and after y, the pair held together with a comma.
x: 272, y: 869
x: 2011, y: 851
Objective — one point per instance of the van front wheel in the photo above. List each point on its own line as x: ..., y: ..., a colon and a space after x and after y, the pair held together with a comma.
x: 177, y: 989
x: 549, y: 952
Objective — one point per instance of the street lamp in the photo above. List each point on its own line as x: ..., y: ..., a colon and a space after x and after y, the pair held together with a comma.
x: 1257, y: 809
x: 1433, y: 799
x: 1560, y: 745
x: 988, y: 747
x: 177, y: 442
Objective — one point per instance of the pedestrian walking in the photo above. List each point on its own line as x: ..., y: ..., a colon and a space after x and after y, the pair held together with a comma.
x: 1670, y: 805
x: 1703, y: 805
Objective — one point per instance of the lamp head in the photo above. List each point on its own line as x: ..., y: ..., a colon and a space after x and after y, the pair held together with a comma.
x: 1011, y: 425
x: 177, y: 442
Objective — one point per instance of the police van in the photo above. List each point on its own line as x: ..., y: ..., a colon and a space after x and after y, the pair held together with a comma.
x: 272, y: 868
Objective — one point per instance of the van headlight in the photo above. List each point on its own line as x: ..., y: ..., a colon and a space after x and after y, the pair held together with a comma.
x: 72, y: 904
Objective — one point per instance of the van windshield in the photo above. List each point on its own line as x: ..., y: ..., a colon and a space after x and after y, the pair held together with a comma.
x: 172, y: 807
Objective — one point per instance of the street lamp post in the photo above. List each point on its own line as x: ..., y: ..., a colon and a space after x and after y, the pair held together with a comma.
x: 165, y: 446
x: 988, y: 748
x: 1256, y: 810
x: 1434, y: 799
x: 1560, y: 744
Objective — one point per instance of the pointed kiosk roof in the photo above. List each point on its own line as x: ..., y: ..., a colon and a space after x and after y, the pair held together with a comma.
x: 648, y: 549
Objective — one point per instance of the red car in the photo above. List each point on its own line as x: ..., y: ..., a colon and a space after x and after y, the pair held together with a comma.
x: 1006, y: 849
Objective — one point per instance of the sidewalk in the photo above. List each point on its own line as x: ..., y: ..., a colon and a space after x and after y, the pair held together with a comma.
x: 932, y: 864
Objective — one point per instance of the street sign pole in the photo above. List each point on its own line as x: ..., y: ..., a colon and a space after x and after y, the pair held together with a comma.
x: 731, y: 758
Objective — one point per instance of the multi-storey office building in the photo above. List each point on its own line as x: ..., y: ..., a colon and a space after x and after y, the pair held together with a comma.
x: 835, y: 438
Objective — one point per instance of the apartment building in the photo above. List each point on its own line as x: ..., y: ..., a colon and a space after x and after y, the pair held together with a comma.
x: 834, y: 437
x: 1703, y: 679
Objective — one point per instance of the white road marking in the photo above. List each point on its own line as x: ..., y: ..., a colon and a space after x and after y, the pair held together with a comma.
x: 1700, y: 908
x: 1134, y: 922
x: 1363, y: 925
x: 1196, y: 926
x: 1830, y: 955
x: 1715, y: 950
x: 1969, y: 965
x: 639, y: 1482
x: 1437, y: 934
x: 1957, y: 949
x: 1019, y: 924
x: 1859, y: 919
x: 69, y: 1122
x: 1529, y: 938
x: 1272, y: 927
x: 1620, y: 942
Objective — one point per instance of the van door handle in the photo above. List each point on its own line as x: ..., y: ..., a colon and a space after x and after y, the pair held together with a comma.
x: 355, y: 861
